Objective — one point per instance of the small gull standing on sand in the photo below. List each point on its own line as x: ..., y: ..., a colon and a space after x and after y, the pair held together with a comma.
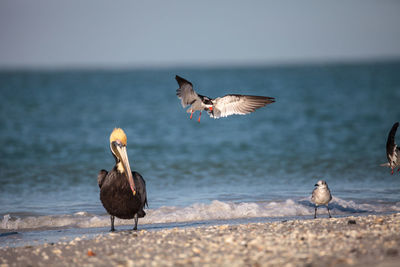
x: 392, y: 151
x: 321, y: 195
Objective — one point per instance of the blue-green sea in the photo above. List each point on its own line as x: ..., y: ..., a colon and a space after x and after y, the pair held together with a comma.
x: 329, y: 121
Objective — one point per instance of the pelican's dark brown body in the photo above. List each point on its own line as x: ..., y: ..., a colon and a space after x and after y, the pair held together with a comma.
x: 117, y: 197
x: 122, y: 192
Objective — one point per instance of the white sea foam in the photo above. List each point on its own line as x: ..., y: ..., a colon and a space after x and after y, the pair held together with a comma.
x: 216, y: 210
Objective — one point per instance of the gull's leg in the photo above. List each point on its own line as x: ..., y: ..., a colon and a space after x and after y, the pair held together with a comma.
x: 191, y: 114
x: 392, y: 171
x: 328, y: 211
x: 199, y: 117
x: 315, y: 212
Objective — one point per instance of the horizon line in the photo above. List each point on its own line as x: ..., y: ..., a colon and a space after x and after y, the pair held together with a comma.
x: 201, y: 65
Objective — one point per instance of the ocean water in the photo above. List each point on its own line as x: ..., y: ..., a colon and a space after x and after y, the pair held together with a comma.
x: 329, y: 122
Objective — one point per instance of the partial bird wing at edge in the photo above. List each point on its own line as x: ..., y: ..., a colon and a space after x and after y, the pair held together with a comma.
x: 397, y: 156
x: 391, y: 147
x: 185, y: 92
x: 238, y: 104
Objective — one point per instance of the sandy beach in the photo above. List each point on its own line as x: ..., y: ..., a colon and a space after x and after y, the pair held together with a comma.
x: 372, y: 240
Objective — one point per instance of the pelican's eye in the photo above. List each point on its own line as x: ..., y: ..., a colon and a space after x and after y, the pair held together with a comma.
x: 117, y: 143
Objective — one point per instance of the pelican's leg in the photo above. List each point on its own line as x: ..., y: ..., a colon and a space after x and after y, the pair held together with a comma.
x: 191, y: 114
x: 112, y: 224
x: 315, y: 212
x: 199, y: 117
x: 136, y: 221
x: 328, y: 211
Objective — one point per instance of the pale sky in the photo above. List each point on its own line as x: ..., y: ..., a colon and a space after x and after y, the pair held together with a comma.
x: 97, y: 33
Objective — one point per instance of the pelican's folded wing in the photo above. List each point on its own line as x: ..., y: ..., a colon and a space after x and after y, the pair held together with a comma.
x: 185, y: 92
x: 100, y: 177
x: 141, y: 188
x: 238, y: 104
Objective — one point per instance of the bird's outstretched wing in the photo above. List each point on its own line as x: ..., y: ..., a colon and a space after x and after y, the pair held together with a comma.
x: 391, y: 147
x: 185, y: 92
x: 238, y: 104
x: 100, y: 177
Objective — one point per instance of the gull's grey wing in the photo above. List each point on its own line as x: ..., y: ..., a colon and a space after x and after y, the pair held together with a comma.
x: 313, y: 195
x: 238, y: 104
x: 185, y: 92
x: 391, y: 147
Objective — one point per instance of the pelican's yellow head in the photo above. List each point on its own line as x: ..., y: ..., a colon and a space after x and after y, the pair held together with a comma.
x: 118, y: 148
x: 118, y: 134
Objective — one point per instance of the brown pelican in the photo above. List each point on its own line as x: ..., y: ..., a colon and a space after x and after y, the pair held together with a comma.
x: 321, y: 195
x: 122, y: 192
x: 220, y: 106
x: 392, y: 150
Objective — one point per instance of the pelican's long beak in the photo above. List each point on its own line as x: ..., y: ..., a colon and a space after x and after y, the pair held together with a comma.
x: 125, y: 164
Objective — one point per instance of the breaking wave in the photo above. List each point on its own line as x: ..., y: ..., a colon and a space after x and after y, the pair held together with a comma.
x: 216, y: 210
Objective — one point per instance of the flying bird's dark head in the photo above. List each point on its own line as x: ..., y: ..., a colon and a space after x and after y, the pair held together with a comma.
x: 206, y: 100
x: 118, y: 143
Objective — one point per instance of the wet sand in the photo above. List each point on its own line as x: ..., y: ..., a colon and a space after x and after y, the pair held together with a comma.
x: 350, y: 241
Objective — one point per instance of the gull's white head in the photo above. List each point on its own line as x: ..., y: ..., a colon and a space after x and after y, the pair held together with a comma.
x: 321, y: 184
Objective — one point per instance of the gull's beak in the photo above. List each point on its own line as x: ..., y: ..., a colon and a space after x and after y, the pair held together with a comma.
x: 123, y: 156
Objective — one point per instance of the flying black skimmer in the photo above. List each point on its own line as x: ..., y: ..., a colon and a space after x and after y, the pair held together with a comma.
x: 221, y: 106
x: 392, y: 150
x: 321, y: 195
